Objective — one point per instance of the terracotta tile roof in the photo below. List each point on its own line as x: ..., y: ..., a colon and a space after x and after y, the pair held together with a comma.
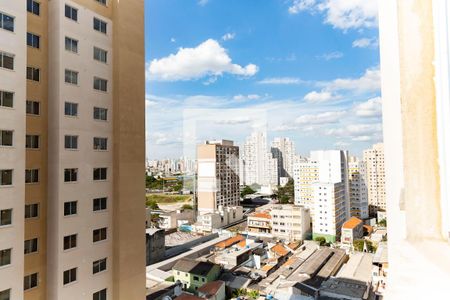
x: 262, y: 215
x: 368, y: 228
x: 230, y: 242
x: 267, y: 268
x: 290, y: 261
x: 211, y: 288
x: 293, y: 245
x: 279, y: 250
x: 351, y: 223
x: 242, y: 244
x: 188, y: 297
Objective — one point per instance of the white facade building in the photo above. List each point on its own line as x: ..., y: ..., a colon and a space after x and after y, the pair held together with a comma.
x: 376, y: 185
x: 357, y: 188
x: 283, y: 150
x: 290, y: 222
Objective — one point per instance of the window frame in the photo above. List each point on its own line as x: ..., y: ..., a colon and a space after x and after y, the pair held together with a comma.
x: 33, y: 281
x: 34, y: 4
x: 9, y: 55
x: 101, y: 145
x: 33, y: 104
x: 6, y: 131
x: 100, y: 235
x: 32, y: 141
x: 34, y: 72
x: 71, y: 241
x: 100, y: 25
x: 100, y: 84
x: 33, y: 175
x: 5, y: 260
x: 71, y: 76
x: 100, y: 295
x: 73, y: 175
x: 100, y: 55
x: 2, y: 21
x: 72, y: 276
x: 70, y: 142
x: 31, y: 211
x: 35, y: 41
x: 71, y: 10
x: 102, y: 174
x: 73, y: 44
x: 71, y: 207
x: 71, y: 106
x: 10, y: 210
x: 99, y: 266
x: 2, y: 99
x: 100, y: 112
x: 32, y: 247
x: 102, y: 204
x: 1, y: 177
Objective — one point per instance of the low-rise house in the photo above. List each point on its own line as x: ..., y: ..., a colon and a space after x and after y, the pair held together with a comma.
x: 163, y: 290
x: 224, y: 216
x: 155, y: 244
x: 185, y: 296
x: 214, y: 290
x: 176, y: 218
x: 290, y: 222
x: 258, y: 224
x: 193, y: 274
x: 352, y: 230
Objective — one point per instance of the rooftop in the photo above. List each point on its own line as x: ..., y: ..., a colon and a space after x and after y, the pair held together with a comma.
x: 200, y: 268
x: 230, y: 242
x: 210, y: 288
x: 262, y: 215
x: 279, y: 250
x: 353, y: 289
x: 185, y: 296
x: 352, y: 223
x: 358, y: 267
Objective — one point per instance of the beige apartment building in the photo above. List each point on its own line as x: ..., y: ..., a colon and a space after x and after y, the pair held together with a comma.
x: 218, y: 175
x: 375, y: 178
x: 72, y: 149
x: 290, y: 222
x: 357, y: 188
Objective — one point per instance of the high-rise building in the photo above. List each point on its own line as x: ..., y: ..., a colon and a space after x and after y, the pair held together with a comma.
x: 283, y: 150
x: 357, y: 188
x: 271, y: 170
x: 72, y: 152
x: 306, y: 172
x: 376, y: 188
x: 218, y: 175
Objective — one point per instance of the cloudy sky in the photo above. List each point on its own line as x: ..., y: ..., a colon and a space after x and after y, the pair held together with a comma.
x: 304, y: 69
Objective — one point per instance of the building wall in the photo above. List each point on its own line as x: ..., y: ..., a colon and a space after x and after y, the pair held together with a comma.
x: 190, y: 284
x: 375, y: 176
x: 357, y: 189
x: 12, y: 197
x: 290, y: 222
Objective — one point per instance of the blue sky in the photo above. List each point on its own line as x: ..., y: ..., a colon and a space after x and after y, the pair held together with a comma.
x: 304, y: 69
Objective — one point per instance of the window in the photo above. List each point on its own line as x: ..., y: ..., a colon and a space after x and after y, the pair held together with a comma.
x: 70, y: 276
x: 6, y: 22
x: 33, y: 107
x: 30, y: 281
x: 101, y: 1
x: 196, y: 278
x: 70, y: 175
x: 99, y: 235
x: 33, y: 7
x: 32, y: 176
x: 100, y: 295
x: 5, y: 217
x: 71, y: 77
x: 33, y: 40
x: 33, y: 74
x: 31, y: 211
x: 5, y: 257
x: 70, y: 208
x: 71, y: 109
x: 71, y: 142
x: 31, y: 246
x: 70, y: 241
x: 100, y: 84
x: 100, y: 113
x: 98, y: 266
x: 71, y: 12
x: 100, y: 143
x: 6, y: 100
x: 100, y: 55
x: 6, y: 177
x: 6, y: 295
x: 100, y: 173
x: 6, y: 61
x: 99, y: 25
x: 6, y: 137
x: 71, y: 45
x: 32, y: 141
x: 100, y: 203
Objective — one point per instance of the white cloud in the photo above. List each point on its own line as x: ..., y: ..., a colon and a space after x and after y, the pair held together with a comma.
x: 356, y: 131
x: 331, y: 55
x: 318, y: 97
x: 370, y: 108
x: 341, y: 14
x: 321, y: 118
x: 369, y: 82
x: 365, y: 43
x: 281, y: 80
x: 241, y: 97
x: 207, y: 59
x: 233, y: 121
x: 161, y: 138
x: 173, y: 40
x: 202, y: 2
x: 285, y: 127
x: 228, y: 36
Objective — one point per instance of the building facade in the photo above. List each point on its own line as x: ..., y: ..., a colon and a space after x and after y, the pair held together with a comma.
x: 352, y: 229
x: 290, y: 222
x: 283, y: 150
x: 71, y: 173
x: 375, y: 176
x: 357, y: 188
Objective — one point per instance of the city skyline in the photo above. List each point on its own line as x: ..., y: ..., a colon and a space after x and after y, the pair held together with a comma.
x: 319, y: 87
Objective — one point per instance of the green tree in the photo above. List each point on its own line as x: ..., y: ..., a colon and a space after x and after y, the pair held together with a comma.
x: 186, y: 206
x: 286, y: 193
x: 253, y: 294
x: 152, y: 204
x: 359, y: 245
x: 322, y: 241
x: 247, y: 191
x: 382, y: 223
x: 239, y: 292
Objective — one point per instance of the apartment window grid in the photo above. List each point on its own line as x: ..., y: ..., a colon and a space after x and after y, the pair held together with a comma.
x: 6, y: 138
x: 100, y: 204
x: 30, y: 281
x: 33, y: 40
x: 100, y: 295
x: 33, y: 7
x: 33, y: 74
x: 99, y: 234
x: 31, y: 246
x: 6, y: 61
x: 100, y: 25
x: 71, y: 13
x: 100, y: 143
x: 5, y: 257
x: 71, y: 44
x: 70, y: 208
x: 32, y: 141
x: 71, y: 142
x: 6, y: 294
x: 100, y: 55
x: 101, y: 1
x: 31, y: 211
x: 33, y: 107
x: 100, y: 84
x: 5, y: 217
x: 99, y: 266
x: 70, y: 241
x: 71, y: 77
x: 6, y: 99
x: 71, y: 175
x: 100, y: 113
x: 6, y: 22
x: 100, y: 173
x: 71, y: 109
x: 32, y: 176
x: 70, y: 276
